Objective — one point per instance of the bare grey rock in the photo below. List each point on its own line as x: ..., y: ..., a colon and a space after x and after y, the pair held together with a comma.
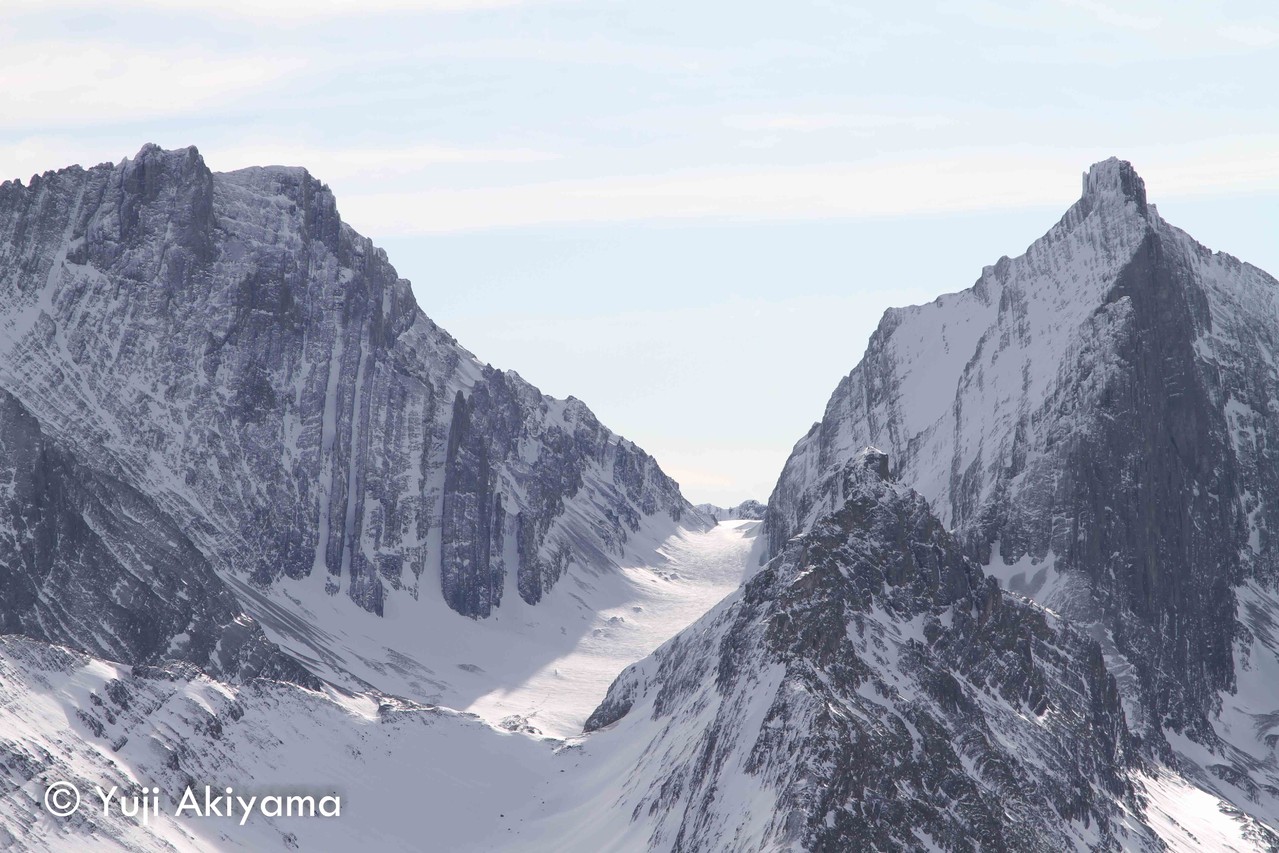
x: 225, y: 345
x: 871, y: 690
x: 750, y: 510
x: 1092, y: 419
x: 88, y: 561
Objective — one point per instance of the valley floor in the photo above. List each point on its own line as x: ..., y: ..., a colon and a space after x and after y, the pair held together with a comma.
x: 542, y: 667
x: 699, y: 569
x: 409, y: 775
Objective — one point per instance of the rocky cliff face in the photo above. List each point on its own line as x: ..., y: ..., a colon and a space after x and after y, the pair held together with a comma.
x: 222, y: 349
x: 87, y: 560
x: 1094, y: 420
x: 869, y: 690
x: 215, y: 397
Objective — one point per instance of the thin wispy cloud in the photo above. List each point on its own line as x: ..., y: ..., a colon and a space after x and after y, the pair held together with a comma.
x: 982, y: 181
x: 1114, y: 17
x: 367, y: 164
x: 74, y: 83
x: 810, y: 122
x: 1252, y: 35
x: 1092, y: 31
x: 1246, y: 172
x: 892, y: 189
x: 283, y: 10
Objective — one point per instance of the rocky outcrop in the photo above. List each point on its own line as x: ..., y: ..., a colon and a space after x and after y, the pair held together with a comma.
x: 749, y: 510
x: 1091, y: 419
x: 88, y: 561
x: 225, y: 345
x: 869, y: 690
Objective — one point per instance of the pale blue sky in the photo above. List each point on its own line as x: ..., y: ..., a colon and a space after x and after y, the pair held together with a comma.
x: 688, y: 215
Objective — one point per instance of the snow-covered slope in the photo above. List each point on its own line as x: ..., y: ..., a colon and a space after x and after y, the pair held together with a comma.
x: 543, y: 668
x: 947, y: 387
x: 406, y: 773
x: 1095, y: 419
x: 286, y: 518
x: 87, y: 560
x: 732, y: 736
x: 408, y: 777
x: 225, y: 346
x: 870, y: 690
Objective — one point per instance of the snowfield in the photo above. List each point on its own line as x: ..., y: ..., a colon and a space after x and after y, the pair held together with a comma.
x: 406, y: 772
x: 544, y: 667
x: 410, y: 777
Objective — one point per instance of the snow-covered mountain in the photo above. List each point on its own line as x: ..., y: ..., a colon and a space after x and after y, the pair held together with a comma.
x: 868, y: 690
x: 406, y: 776
x: 409, y: 775
x: 1095, y: 420
x: 871, y: 689
x: 1089, y: 426
x: 753, y: 510
x: 254, y: 403
x: 263, y: 524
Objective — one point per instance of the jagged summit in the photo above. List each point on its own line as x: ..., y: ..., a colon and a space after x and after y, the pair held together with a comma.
x: 153, y: 167
x: 871, y: 461
x: 1092, y: 420
x: 283, y: 176
x: 868, y: 689
x: 1114, y: 178
x: 225, y: 345
x: 153, y: 159
x: 153, y: 154
x: 152, y: 150
x: 149, y: 153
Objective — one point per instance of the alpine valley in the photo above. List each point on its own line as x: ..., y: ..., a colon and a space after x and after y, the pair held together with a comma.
x: 265, y: 526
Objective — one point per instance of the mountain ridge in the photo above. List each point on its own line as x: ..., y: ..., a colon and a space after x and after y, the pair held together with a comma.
x: 1092, y: 419
x: 226, y: 345
x: 871, y: 689
x: 1020, y: 589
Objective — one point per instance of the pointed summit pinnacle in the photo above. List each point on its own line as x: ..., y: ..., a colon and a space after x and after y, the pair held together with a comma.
x: 1115, y: 178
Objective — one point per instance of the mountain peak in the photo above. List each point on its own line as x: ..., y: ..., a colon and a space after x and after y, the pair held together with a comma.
x: 1115, y: 178
x: 152, y: 153
x: 874, y: 462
